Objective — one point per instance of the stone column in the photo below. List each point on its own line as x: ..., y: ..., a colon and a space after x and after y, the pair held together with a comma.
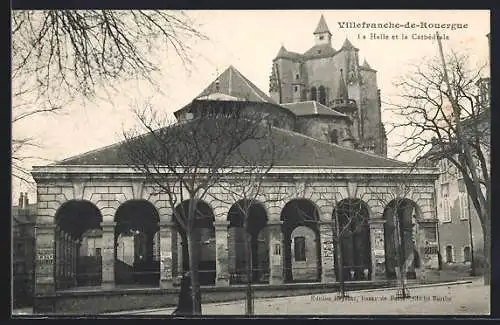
x: 58, y: 258
x: 62, y: 278
x: 108, y: 255
x: 221, y: 254
x: 378, y: 249
x: 45, y: 262
x: 276, y: 257
x: 166, y: 279
x: 71, y: 262
x: 67, y: 259
x: 327, y: 250
x: 75, y: 261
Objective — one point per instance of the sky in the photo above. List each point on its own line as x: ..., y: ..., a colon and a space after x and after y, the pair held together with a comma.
x: 249, y: 40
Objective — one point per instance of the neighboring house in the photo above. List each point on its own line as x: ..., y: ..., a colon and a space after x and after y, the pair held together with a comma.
x: 459, y: 224
x: 23, y: 244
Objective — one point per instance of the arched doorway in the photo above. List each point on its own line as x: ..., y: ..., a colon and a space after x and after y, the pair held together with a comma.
x: 259, y: 242
x: 136, y: 252
x: 400, y: 237
x: 204, y: 239
x: 352, y: 217
x: 301, y: 241
x: 78, y: 241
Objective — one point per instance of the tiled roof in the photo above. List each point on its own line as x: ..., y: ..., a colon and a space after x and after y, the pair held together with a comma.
x: 320, y: 51
x: 348, y: 45
x: 285, y: 54
x: 231, y: 82
x: 312, y: 108
x: 296, y: 150
x: 220, y: 97
x: 322, y: 26
x: 366, y: 66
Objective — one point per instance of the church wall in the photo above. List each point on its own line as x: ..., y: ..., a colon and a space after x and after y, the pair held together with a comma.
x: 370, y: 108
x: 320, y: 127
x: 287, y: 70
x: 322, y: 72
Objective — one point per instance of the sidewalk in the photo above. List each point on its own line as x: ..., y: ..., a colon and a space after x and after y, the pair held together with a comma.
x: 437, y: 299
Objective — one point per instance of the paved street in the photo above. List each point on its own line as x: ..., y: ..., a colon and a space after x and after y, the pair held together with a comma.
x: 462, y: 299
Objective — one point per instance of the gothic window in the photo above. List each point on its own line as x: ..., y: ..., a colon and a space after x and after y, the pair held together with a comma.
x: 449, y: 254
x: 300, y: 248
x: 334, y: 138
x: 467, y: 255
x: 313, y: 93
x: 322, y: 95
x: 295, y: 88
x: 297, y: 76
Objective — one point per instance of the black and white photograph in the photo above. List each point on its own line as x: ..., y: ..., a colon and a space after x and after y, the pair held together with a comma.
x: 187, y: 163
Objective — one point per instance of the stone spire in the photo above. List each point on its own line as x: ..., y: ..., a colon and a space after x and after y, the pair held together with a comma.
x: 322, y: 27
x: 366, y: 65
x: 282, y: 52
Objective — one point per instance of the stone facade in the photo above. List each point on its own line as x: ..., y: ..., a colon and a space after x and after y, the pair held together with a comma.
x: 107, y: 188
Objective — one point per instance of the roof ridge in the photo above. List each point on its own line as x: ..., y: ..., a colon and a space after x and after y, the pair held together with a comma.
x: 334, y: 145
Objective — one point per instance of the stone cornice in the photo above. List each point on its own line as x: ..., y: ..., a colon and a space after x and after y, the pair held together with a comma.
x: 104, y: 172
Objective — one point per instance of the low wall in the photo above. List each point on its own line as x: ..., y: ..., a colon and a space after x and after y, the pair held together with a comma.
x: 92, y: 302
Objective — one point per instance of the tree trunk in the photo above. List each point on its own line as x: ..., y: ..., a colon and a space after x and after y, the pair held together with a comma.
x: 248, y: 252
x: 193, y: 267
x: 487, y: 250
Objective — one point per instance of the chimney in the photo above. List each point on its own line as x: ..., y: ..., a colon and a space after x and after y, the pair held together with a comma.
x: 25, y: 204
x: 21, y: 201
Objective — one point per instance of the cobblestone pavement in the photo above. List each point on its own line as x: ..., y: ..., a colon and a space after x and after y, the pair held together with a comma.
x: 458, y: 299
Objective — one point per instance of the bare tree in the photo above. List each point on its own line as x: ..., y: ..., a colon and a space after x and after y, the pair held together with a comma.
x: 394, y: 197
x: 350, y: 218
x: 62, y: 55
x: 445, y: 114
x: 246, y: 190
x: 185, y: 159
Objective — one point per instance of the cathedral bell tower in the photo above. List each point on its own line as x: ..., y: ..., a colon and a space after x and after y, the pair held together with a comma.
x: 322, y: 34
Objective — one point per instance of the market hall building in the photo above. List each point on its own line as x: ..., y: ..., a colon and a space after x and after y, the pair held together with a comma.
x: 107, y: 240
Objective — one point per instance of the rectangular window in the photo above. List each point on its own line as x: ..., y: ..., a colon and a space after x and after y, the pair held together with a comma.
x: 277, y: 249
x: 446, y: 204
x: 464, y: 206
x: 461, y: 185
x: 444, y: 171
x: 300, y: 248
x: 97, y: 252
